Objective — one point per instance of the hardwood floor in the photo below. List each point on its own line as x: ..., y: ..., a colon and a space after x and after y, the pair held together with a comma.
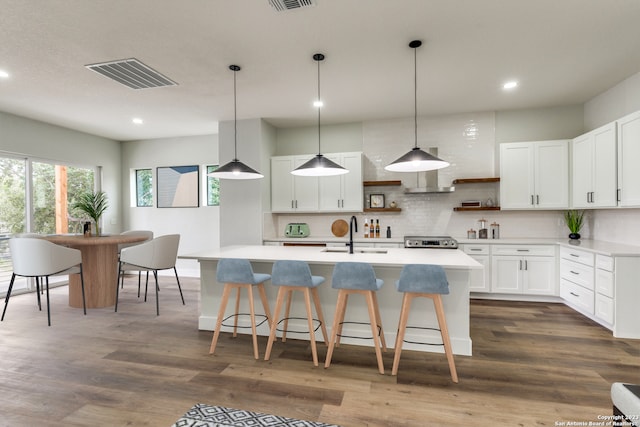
x: 533, y: 364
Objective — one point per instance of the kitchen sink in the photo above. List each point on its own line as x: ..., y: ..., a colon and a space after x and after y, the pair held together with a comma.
x: 355, y: 250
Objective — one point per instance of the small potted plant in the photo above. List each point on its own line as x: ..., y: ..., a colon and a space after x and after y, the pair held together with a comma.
x: 93, y: 204
x: 574, y: 220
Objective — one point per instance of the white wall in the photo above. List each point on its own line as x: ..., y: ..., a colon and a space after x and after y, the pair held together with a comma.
x: 32, y: 138
x: 198, y: 227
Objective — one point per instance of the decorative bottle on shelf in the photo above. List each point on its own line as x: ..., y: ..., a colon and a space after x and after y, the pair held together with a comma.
x: 388, y: 232
x: 372, y: 229
x: 377, y: 228
x: 366, y: 228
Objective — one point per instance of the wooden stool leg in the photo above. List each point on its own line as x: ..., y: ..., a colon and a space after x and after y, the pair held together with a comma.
x: 287, y: 310
x: 274, y: 323
x: 342, y: 313
x: 340, y: 306
x: 379, y: 321
x: 223, y: 306
x: 312, y: 334
x: 444, y: 331
x: 402, y: 327
x: 265, y: 302
x: 374, y: 329
x: 323, y: 327
x: 235, y: 319
x: 254, y: 332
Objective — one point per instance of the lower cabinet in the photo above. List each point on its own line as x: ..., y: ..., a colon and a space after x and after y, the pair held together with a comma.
x: 528, y: 270
x: 480, y: 280
x: 604, y: 287
x: 577, y: 285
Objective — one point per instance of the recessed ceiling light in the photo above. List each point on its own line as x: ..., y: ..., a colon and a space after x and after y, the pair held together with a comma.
x: 137, y: 120
x: 4, y: 74
x: 318, y: 103
x: 510, y: 85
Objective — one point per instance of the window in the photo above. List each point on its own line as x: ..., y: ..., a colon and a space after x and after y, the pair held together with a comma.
x: 213, y: 187
x: 144, y: 188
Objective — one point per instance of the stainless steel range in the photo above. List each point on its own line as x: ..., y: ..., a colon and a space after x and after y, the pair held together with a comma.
x: 430, y: 242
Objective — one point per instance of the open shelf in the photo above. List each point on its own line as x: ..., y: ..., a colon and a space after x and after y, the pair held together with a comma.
x: 381, y: 183
x: 475, y: 208
x: 382, y: 209
x: 475, y: 180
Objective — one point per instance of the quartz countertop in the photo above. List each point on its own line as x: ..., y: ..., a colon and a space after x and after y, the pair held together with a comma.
x: 596, y: 246
x: 392, y: 257
x: 332, y: 239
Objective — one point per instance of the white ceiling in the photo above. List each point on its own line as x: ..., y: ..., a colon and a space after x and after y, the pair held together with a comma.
x: 563, y: 52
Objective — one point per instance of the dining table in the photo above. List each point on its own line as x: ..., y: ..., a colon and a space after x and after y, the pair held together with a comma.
x: 99, y: 267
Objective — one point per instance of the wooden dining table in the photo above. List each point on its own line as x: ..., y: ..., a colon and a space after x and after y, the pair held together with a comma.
x: 99, y: 266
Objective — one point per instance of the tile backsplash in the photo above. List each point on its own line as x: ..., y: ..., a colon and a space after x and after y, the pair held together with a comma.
x: 467, y: 142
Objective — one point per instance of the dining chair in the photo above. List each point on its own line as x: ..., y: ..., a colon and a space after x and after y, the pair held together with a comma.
x: 158, y: 254
x: 38, y: 258
x: 148, y: 235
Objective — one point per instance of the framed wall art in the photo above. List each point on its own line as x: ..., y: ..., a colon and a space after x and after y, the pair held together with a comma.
x: 376, y: 201
x: 178, y: 186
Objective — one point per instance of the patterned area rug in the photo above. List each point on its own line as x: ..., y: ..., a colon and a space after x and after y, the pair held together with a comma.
x: 202, y: 415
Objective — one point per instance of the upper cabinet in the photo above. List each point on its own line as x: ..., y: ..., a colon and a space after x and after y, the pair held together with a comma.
x: 342, y: 192
x: 594, y: 178
x: 290, y: 193
x: 534, y: 175
x: 628, y: 160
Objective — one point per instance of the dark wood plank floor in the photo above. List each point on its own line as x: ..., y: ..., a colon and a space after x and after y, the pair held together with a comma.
x: 533, y: 364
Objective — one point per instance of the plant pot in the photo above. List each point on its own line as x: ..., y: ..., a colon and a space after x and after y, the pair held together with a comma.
x: 574, y: 236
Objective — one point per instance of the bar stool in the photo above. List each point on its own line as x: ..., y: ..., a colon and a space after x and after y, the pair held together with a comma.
x: 356, y: 278
x: 430, y: 281
x: 238, y: 274
x: 296, y: 276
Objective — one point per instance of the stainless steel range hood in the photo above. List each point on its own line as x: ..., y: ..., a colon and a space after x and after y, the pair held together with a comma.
x: 429, y: 181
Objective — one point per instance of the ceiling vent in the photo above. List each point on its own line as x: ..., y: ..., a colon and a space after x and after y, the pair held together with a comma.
x: 132, y: 73
x: 282, y: 5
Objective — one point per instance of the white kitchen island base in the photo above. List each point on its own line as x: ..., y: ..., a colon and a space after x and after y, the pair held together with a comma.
x: 387, y: 267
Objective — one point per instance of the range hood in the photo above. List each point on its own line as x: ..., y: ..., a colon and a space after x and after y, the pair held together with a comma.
x: 429, y: 183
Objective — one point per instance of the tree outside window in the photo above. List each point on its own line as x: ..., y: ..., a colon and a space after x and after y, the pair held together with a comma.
x: 144, y: 188
x: 213, y: 187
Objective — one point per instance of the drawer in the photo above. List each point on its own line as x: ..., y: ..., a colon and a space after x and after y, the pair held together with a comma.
x: 604, y: 308
x: 577, y: 273
x: 577, y: 296
x: 604, y: 283
x: 524, y: 250
x: 604, y: 262
x: 577, y: 255
x: 476, y: 249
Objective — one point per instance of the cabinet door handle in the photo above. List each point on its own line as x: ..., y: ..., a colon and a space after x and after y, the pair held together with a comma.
x: 522, y: 250
x: 575, y: 255
x: 574, y: 272
x: 519, y: 264
x: 618, y: 194
x: 574, y: 294
x: 526, y: 264
x: 292, y: 204
x: 532, y: 200
x: 537, y: 199
x: 475, y: 249
x: 296, y: 204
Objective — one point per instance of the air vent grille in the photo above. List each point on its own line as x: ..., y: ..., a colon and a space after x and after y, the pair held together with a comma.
x: 282, y: 5
x: 132, y: 73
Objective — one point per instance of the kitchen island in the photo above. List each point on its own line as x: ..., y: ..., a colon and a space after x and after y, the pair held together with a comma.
x: 387, y: 262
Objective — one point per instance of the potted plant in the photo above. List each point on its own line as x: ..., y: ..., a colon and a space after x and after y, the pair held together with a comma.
x: 574, y: 220
x: 93, y: 204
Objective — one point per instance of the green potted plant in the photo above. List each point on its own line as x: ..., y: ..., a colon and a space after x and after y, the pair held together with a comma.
x: 574, y: 220
x: 93, y: 204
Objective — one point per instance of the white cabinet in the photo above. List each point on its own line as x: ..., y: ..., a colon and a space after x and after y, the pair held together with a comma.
x: 342, y: 192
x: 480, y: 280
x: 628, y: 160
x: 577, y: 279
x: 534, y: 175
x: 594, y: 177
x: 290, y: 193
x: 527, y: 269
x: 604, y: 287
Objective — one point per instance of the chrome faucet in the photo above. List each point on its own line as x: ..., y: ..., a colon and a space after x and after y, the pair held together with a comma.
x: 353, y: 224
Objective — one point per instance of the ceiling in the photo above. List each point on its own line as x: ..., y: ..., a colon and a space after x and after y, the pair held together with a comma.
x: 562, y: 52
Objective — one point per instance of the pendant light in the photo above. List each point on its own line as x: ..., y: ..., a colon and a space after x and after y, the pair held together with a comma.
x: 319, y: 165
x: 235, y: 169
x: 416, y: 160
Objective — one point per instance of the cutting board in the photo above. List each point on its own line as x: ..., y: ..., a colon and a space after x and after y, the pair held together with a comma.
x: 339, y: 228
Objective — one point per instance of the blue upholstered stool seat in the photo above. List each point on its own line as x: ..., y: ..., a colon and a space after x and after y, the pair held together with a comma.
x: 296, y: 276
x: 430, y: 281
x: 357, y: 278
x: 238, y: 274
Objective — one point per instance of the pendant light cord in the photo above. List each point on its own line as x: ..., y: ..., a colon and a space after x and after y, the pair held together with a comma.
x: 235, y: 117
x: 318, y: 61
x: 415, y: 95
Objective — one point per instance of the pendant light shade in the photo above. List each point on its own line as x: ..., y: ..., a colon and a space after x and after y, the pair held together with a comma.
x: 416, y: 160
x: 319, y: 165
x: 235, y: 169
